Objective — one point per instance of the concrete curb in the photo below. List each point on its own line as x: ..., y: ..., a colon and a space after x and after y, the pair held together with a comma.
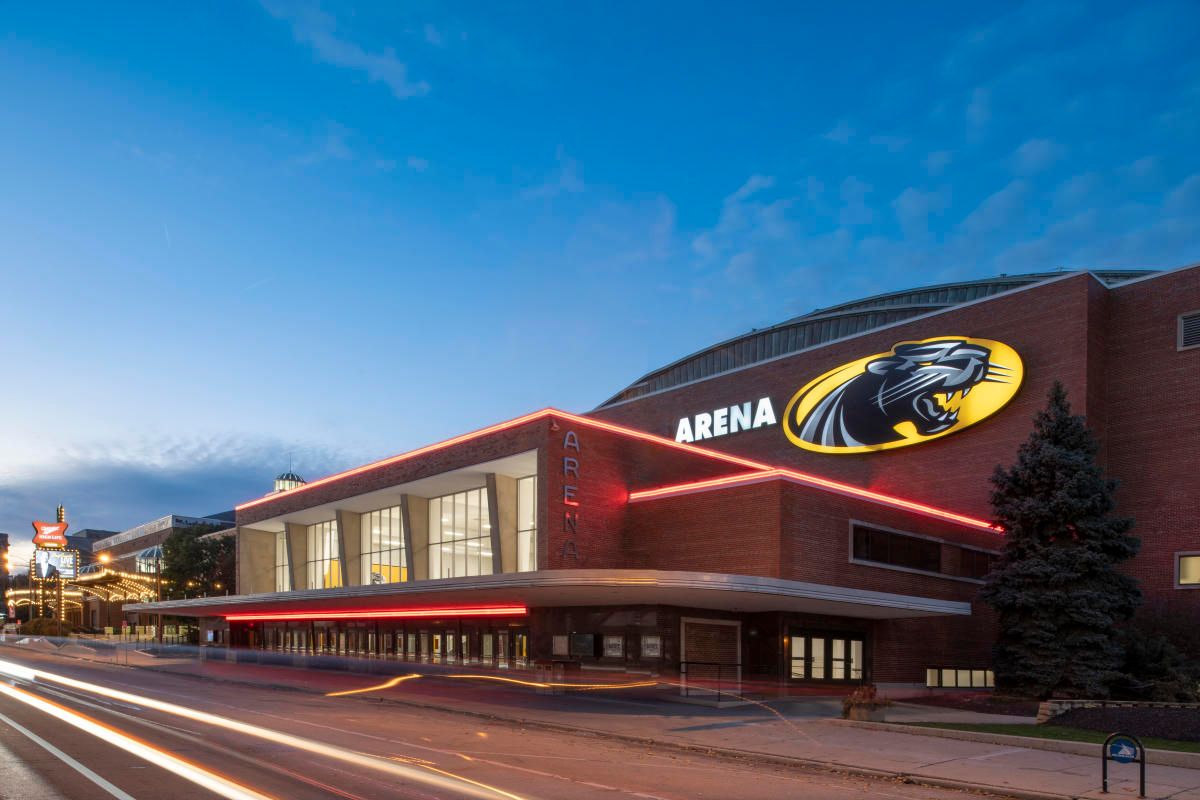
x: 1164, y: 758
x: 644, y: 741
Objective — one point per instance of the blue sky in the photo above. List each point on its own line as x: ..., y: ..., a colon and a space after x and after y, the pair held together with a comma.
x: 332, y: 232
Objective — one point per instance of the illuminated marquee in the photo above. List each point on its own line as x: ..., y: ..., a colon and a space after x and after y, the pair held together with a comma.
x: 916, y: 392
x: 50, y: 534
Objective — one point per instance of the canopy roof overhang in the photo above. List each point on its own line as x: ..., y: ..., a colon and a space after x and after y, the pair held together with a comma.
x: 582, y: 587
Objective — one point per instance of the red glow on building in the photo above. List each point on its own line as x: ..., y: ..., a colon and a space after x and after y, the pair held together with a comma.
x: 382, y: 613
x: 811, y: 480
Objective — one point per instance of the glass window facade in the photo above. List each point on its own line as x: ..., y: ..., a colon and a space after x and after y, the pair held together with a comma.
x: 527, y: 524
x: 948, y: 678
x: 324, y: 565
x: 975, y: 563
x: 283, y: 570
x: 896, y: 549
x: 1189, y: 570
x: 384, y: 559
x: 460, y: 535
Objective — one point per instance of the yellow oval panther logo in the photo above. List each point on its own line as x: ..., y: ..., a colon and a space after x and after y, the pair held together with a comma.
x: 916, y: 392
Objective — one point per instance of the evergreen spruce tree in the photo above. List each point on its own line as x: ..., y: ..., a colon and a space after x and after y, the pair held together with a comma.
x: 1056, y: 588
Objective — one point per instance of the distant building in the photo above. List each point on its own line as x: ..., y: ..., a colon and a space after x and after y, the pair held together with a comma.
x: 288, y: 480
x: 123, y: 567
x: 83, y: 541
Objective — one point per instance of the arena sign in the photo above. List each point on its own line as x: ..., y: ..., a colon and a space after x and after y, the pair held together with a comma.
x: 722, y: 421
x: 916, y: 392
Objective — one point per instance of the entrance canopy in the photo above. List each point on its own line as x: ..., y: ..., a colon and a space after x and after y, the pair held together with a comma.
x: 576, y: 587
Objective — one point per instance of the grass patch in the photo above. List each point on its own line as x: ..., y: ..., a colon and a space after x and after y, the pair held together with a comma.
x: 1058, y: 733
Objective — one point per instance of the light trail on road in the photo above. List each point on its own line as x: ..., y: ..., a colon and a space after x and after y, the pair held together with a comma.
x: 198, y: 775
x: 420, y: 773
x: 583, y: 687
x: 379, y: 688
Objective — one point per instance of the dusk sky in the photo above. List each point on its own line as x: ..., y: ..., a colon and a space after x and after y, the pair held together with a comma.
x: 233, y: 235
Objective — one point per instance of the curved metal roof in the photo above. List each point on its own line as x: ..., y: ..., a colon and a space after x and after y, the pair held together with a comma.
x: 835, y: 322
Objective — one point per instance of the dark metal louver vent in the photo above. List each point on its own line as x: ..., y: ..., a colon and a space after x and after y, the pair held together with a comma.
x: 1189, y: 330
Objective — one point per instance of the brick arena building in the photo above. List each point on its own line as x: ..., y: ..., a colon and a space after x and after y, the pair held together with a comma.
x: 804, y: 504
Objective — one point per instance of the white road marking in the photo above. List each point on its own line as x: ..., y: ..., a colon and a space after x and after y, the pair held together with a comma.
x: 66, y: 759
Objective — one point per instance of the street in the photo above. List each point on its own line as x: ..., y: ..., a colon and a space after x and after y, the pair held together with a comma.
x: 83, y: 730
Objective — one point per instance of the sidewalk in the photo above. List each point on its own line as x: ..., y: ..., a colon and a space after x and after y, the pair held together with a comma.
x: 799, y: 731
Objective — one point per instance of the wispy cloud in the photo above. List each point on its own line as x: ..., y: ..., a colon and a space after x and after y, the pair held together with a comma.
x: 840, y: 133
x: 332, y: 145
x: 117, y: 485
x: 936, y: 162
x: 979, y: 109
x: 564, y: 180
x: 417, y: 164
x: 893, y: 144
x: 318, y: 30
x: 433, y: 36
x: 1036, y: 155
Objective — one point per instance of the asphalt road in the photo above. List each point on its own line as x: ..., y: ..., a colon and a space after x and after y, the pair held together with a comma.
x: 130, y: 733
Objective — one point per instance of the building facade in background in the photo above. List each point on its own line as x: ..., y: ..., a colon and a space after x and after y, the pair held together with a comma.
x: 124, y: 567
x: 806, y: 504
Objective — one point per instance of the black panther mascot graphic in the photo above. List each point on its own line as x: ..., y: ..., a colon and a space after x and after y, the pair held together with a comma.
x: 899, y: 387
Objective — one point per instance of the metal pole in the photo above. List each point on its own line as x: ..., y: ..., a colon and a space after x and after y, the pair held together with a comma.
x: 158, y: 591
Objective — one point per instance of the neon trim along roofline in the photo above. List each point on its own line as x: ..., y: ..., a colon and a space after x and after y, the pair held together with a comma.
x: 758, y: 470
x: 729, y: 481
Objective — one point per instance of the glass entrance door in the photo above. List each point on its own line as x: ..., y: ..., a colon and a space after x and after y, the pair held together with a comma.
x: 826, y: 657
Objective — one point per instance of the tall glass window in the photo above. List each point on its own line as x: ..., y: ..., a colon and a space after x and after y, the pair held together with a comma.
x: 324, y: 566
x: 383, y: 557
x: 460, y: 535
x: 527, y: 524
x: 283, y: 571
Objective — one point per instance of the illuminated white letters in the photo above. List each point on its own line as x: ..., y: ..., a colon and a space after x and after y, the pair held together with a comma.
x: 722, y: 421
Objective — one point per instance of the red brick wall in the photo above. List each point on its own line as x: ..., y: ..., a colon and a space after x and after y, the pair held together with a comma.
x: 610, y: 465
x: 1047, y: 325
x: 1153, y: 428
x: 734, y: 530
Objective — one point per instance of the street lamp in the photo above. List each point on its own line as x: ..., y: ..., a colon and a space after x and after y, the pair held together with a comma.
x: 104, y: 599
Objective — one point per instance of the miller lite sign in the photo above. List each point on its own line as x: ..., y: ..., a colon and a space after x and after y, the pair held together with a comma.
x: 50, y: 534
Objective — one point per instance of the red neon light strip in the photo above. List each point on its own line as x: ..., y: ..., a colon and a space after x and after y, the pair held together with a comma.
x: 383, y: 613
x: 502, y: 426
x: 761, y: 470
x: 811, y: 480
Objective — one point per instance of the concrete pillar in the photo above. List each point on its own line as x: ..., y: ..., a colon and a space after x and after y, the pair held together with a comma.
x: 297, y: 539
x: 414, y: 512
x: 350, y: 546
x: 255, y: 561
x: 502, y: 507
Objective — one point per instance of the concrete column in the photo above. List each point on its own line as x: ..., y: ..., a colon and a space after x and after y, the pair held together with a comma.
x: 502, y: 507
x: 415, y: 513
x: 350, y: 545
x: 297, y: 539
x: 407, y: 532
x: 255, y: 561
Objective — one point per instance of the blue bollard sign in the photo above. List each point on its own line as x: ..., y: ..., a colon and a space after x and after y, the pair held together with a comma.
x: 1123, y: 750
